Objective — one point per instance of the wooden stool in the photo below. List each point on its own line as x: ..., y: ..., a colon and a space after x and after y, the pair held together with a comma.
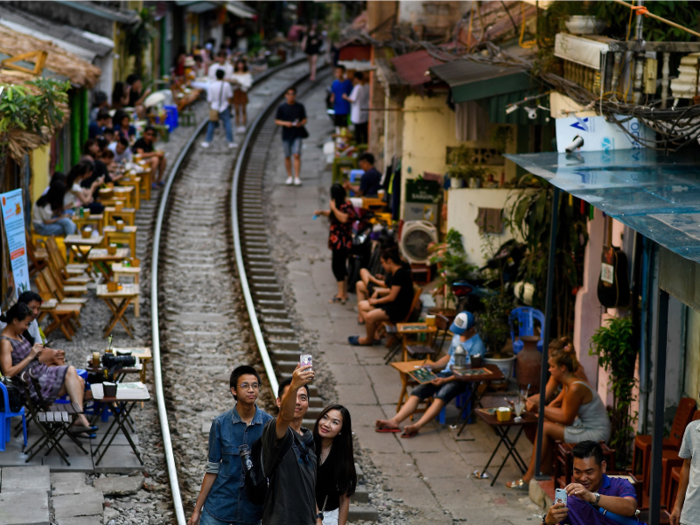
x: 127, y: 236
x: 146, y: 177
x: 129, y: 196
x: 117, y: 303
x: 96, y: 221
x: 408, y: 331
x: 134, y: 182
x: 119, y: 270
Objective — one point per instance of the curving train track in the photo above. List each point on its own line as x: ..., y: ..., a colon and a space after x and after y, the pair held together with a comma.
x: 215, y: 300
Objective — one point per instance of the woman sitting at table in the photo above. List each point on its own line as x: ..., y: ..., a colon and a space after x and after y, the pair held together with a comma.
x: 77, y: 196
x: 445, y: 387
x: 582, y: 415
x: 18, y: 356
x: 554, y: 390
x: 123, y: 127
x: 394, y: 306
x: 48, y: 216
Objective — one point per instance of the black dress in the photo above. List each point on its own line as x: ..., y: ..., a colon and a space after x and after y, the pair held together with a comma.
x: 398, y: 309
x: 326, y: 485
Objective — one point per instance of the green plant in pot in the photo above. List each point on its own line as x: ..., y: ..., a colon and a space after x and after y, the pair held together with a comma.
x: 613, y: 344
x: 493, y: 326
x: 451, y: 260
x: 462, y: 166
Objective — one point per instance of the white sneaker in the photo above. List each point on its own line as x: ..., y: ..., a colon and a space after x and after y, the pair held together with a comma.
x: 297, y: 181
x: 205, y: 144
x: 232, y: 145
x: 240, y: 129
x: 289, y: 181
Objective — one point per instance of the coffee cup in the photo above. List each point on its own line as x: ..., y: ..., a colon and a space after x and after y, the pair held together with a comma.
x: 87, y: 232
x: 120, y: 226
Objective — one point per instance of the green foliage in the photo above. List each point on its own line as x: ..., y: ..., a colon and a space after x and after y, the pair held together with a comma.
x: 493, y: 322
x: 612, y: 344
x: 530, y: 220
x: 22, y: 109
x: 139, y: 36
x: 461, y: 165
x: 501, y: 137
x: 451, y: 260
x: 333, y: 21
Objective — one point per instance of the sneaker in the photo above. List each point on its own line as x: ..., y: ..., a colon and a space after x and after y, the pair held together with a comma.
x: 240, y: 129
x: 289, y: 181
x: 232, y: 145
x: 205, y: 144
x: 297, y: 181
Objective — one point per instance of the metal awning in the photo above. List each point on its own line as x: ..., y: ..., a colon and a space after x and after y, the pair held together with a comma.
x: 201, y: 7
x: 657, y: 196
x: 83, y: 44
x: 413, y: 67
x: 473, y: 81
x: 127, y: 16
x: 240, y: 10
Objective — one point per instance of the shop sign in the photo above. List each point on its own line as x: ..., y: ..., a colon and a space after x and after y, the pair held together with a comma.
x: 421, y: 190
x: 13, y: 219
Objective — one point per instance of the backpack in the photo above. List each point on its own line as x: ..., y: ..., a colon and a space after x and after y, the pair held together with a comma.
x: 14, y: 396
x: 257, y: 481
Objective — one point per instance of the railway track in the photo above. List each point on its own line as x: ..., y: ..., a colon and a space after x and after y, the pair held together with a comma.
x: 215, y: 301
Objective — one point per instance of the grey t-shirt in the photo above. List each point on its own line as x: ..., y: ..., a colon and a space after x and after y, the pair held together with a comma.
x: 291, y: 497
x: 690, y: 449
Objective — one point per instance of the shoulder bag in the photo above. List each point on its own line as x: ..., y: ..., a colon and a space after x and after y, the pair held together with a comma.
x: 257, y: 481
x: 214, y: 113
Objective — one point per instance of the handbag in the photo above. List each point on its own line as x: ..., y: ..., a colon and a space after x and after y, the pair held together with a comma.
x: 303, y: 133
x: 214, y: 113
x: 14, y: 395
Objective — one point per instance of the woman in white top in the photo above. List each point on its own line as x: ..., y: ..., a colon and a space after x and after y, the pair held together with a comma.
x: 244, y: 80
x: 48, y: 216
x: 582, y: 415
x: 77, y: 196
x: 359, y: 107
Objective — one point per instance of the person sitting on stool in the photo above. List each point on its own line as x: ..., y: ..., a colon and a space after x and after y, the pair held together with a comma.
x: 445, y: 387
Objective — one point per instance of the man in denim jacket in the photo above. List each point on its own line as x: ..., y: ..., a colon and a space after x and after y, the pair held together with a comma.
x: 222, y: 498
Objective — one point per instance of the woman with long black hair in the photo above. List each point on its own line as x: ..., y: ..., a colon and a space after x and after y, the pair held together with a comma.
x: 336, y: 478
x: 341, y: 216
x: 48, y: 214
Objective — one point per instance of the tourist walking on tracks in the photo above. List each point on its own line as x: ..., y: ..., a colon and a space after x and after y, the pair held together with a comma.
x: 359, y: 107
x: 291, y: 116
x: 340, y: 89
x: 222, y: 498
x: 336, y: 478
x: 341, y: 216
x: 244, y: 81
x: 311, y: 44
x: 289, y: 456
x: 219, y: 96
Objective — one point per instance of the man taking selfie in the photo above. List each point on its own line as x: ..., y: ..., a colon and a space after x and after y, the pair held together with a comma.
x: 289, y: 456
x: 591, y: 491
x: 222, y: 498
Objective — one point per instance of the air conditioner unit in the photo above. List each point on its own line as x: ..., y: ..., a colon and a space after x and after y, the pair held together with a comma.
x: 415, y: 238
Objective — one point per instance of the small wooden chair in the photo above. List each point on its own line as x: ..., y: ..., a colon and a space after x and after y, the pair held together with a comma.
x: 37, y: 258
x: 72, y: 289
x: 72, y: 269
x: 64, y: 316
x: 394, y: 343
x: 58, y: 263
x: 58, y: 291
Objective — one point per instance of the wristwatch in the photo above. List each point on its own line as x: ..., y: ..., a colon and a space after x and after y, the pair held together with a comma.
x: 544, y: 519
x: 597, y: 498
x: 319, y: 516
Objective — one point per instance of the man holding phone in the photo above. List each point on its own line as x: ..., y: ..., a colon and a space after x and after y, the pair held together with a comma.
x: 591, y: 491
x: 289, y: 457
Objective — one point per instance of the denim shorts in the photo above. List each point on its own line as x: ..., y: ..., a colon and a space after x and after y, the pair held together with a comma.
x: 446, y: 392
x: 208, y: 519
x: 292, y: 147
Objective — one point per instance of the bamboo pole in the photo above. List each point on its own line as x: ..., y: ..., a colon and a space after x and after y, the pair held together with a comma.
x: 645, y: 12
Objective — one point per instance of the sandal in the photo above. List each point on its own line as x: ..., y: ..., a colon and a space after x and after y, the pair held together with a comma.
x: 518, y: 484
x: 408, y: 436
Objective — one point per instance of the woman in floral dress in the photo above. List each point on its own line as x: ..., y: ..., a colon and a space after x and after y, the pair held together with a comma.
x: 341, y: 216
x: 17, y: 355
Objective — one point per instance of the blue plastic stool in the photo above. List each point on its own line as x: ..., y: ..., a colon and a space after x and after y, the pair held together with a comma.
x: 171, y: 119
x: 525, y: 317
x: 6, y: 416
x: 459, y: 401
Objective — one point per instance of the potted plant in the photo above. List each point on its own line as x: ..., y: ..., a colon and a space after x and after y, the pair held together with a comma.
x: 463, y: 169
x: 451, y: 260
x: 494, y: 329
x: 612, y: 343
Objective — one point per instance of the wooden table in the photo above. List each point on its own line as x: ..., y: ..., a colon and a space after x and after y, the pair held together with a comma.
x: 117, y: 303
x: 406, y: 330
x: 126, y: 236
x: 494, y: 374
x: 100, y: 259
x: 501, y: 428
x: 76, y: 245
x: 119, y: 270
x: 94, y: 220
x: 404, y: 367
x: 121, y: 406
x: 144, y: 355
x: 128, y: 215
x: 132, y: 182
x: 127, y: 194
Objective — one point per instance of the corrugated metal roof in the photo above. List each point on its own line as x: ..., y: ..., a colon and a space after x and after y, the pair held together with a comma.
x: 472, y: 80
x: 413, y: 68
x: 81, y: 43
x: 124, y: 17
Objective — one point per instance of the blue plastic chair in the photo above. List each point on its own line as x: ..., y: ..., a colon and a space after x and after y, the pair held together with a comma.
x: 525, y: 316
x: 5, y: 420
x: 459, y: 401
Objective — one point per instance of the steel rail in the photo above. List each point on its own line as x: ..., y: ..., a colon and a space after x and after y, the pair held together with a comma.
x: 155, y: 332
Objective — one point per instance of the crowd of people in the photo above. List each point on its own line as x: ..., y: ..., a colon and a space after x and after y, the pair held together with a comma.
x: 310, y: 473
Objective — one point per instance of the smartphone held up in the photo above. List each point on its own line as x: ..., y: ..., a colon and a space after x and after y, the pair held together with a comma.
x: 305, y: 359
